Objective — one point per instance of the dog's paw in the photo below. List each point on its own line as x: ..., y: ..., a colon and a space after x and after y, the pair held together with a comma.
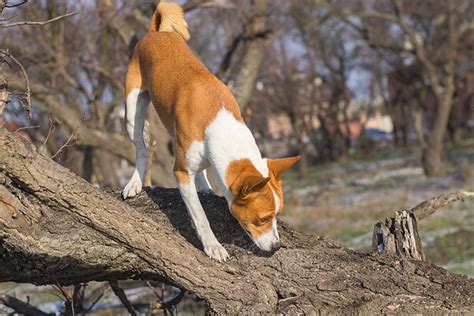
x: 217, y: 252
x: 133, y: 187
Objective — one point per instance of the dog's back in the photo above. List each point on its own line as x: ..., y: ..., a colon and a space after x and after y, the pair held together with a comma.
x: 183, y: 91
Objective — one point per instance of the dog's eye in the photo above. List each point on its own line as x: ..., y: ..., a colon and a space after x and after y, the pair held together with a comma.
x: 266, y: 219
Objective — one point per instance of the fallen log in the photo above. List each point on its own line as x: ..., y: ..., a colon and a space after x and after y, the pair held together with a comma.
x: 56, y: 228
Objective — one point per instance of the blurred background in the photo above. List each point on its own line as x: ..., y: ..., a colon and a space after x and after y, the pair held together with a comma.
x: 377, y: 96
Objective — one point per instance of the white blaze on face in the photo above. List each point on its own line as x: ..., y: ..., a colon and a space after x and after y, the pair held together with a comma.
x: 267, y: 240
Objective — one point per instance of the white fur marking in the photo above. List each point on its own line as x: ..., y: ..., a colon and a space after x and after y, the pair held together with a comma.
x: 212, y: 247
x: 196, y: 163
x: 137, y: 105
x: 268, y: 239
x: 227, y: 140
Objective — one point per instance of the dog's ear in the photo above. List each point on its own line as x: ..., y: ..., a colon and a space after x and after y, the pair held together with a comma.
x: 278, y: 166
x: 251, y: 184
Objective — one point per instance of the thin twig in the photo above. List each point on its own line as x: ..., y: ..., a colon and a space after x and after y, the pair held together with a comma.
x: 93, y: 304
x: 123, y: 297
x: 66, y: 144
x: 51, y: 129
x: 26, y: 127
x: 174, y: 301
x: 38, y: 23
x: 27, y: 107
x: 152, y: 288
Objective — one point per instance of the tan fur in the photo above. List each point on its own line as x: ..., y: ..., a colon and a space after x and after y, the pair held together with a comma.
x: 254, y: 205
x: 254, y: 209
x: 169, y: 17
x: 181, y: 88
x: 277, y: 167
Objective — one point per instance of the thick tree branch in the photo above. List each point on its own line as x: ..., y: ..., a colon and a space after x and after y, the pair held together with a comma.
x: 57, y: 228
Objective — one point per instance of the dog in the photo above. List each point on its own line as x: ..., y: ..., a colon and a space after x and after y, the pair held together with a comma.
x: 205, y: 122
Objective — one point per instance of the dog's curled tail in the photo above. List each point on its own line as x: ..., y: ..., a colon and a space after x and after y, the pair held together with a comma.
x: 169, y: 17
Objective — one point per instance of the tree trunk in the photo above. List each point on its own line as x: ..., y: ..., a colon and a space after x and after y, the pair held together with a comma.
x: 432, y: 154
x: 245, y: 79
x: 303, y: 163
x: 57, y: 228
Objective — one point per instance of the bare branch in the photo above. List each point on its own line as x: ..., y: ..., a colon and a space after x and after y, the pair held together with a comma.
x: 430, y: 206
x: 419, y: 48
x: 123, y: 297
x: 67, y: 143
x: 26, y: 127
x: 21, y: 307
x: 38, y: 23
x: 26, y: 106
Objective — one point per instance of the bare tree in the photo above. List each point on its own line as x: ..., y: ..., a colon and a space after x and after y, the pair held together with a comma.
x: 432, y: 32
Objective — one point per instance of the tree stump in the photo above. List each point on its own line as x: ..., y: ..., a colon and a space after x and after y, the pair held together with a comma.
x: 399, y: 234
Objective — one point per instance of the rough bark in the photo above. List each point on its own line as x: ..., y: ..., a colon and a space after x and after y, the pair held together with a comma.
x: 57, y: 228
x: 399, y: 233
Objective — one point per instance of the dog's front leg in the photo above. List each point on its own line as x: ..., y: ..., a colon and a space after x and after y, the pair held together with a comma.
x: 188, y: 190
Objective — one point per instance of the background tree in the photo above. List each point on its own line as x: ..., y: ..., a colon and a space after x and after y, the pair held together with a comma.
x: 433, y: 34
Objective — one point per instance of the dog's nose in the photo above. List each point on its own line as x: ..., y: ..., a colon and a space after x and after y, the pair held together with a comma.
x: 276, y: 245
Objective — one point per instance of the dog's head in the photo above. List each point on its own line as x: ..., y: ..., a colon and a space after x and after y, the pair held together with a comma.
x: 258, y: 200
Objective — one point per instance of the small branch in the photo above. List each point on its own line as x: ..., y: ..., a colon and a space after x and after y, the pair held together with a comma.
x: 38, y: 23
x: 430, y: 206
x: 21, y: 307
x: 27, y: 107
x: 51, y: 129
x: 26, y: 127
x: 123, y: 297
x: 174, y: 301
x: 67, y: 143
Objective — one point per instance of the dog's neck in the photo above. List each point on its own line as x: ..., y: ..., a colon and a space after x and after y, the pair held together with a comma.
x: 230, y: 140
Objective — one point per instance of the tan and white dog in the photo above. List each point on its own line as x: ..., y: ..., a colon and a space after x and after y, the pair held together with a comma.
x: 204, y: 119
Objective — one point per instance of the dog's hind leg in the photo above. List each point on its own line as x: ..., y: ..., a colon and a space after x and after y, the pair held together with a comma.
x: 136, y: 108
x: 137, y: 105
